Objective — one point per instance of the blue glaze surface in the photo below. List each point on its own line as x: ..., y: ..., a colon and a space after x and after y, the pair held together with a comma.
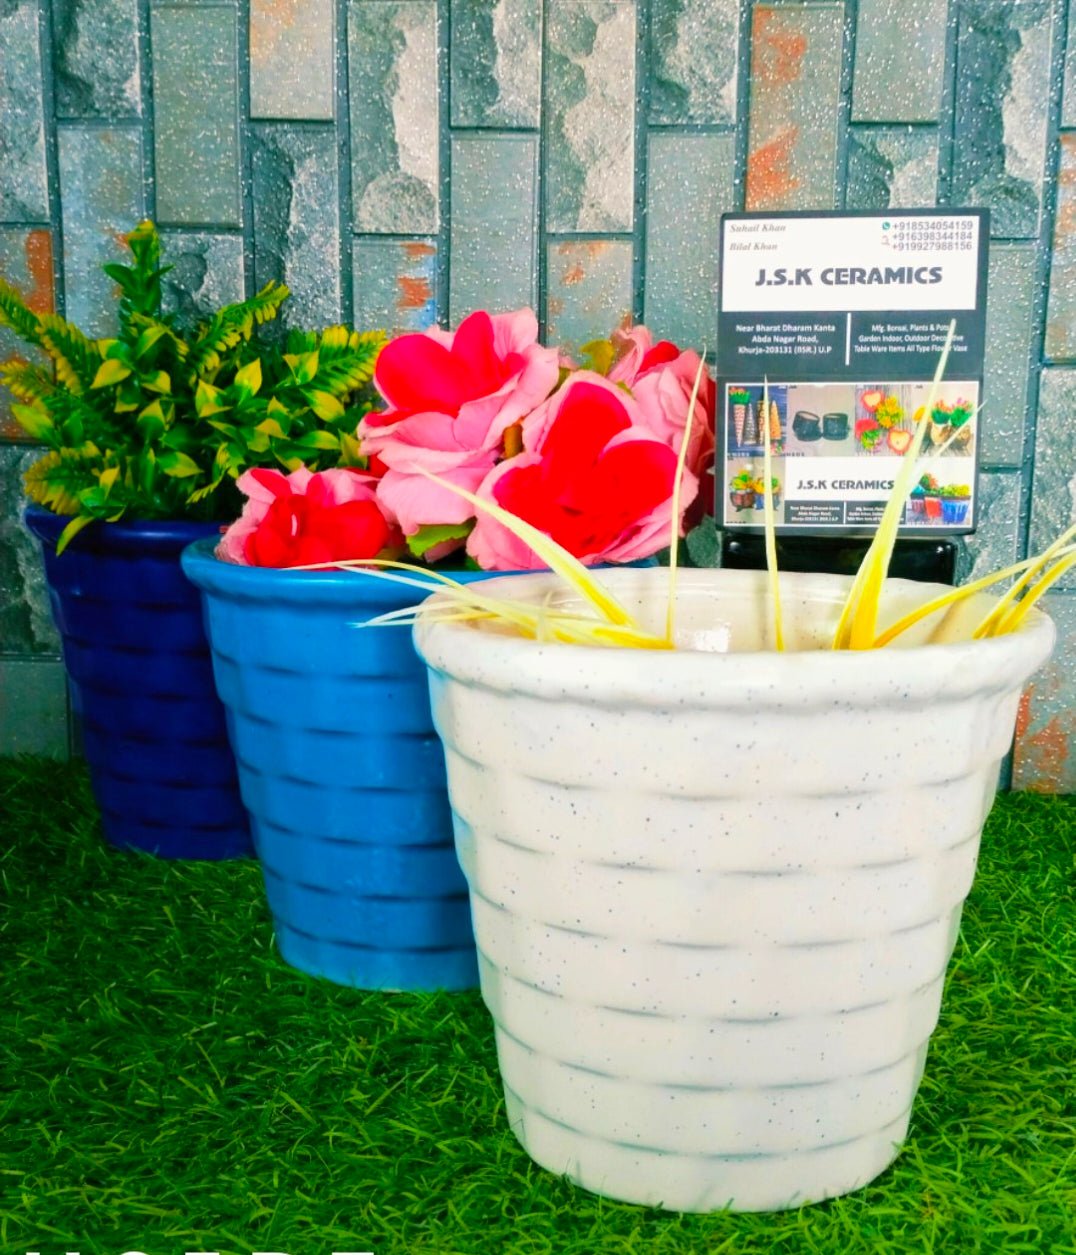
x: 153, y: 729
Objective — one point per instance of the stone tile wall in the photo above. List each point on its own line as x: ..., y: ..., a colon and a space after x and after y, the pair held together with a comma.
x: 399, y: 162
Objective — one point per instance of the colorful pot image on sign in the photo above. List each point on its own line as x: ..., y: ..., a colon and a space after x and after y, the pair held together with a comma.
x: 759, y: 486
x: 739, y: 400
x: 955, y: 503
x: 882, y: 418
x: 742, y: 491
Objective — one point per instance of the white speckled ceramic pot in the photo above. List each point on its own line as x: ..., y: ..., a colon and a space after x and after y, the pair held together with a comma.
x: 715, y: 894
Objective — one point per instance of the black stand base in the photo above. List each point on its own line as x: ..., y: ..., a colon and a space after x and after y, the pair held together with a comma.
x: 933, y: 561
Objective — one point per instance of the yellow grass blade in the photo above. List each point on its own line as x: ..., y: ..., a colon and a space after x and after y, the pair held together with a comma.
x: 858, y: 623
x: 986, y: 628
x: 1019, y: 612
x: 769, y: 518
x: 555, y: 556
x: 952, y: 598
x: 678, y: 481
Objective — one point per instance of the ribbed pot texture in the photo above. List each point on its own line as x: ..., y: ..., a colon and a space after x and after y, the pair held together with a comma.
x: 153, y: 730
x: 342, y: 773
x: 715, y: 893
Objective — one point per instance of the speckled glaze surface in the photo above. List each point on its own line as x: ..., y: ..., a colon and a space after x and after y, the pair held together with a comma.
x: 137, y: 659
x: 342, y: 773
x: 715, y: 894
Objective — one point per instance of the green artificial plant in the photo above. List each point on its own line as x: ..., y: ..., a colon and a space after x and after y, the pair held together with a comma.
x: 160, y: 421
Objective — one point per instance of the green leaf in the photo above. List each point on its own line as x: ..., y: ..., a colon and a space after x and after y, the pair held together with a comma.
x: 325, y: 406
x: 34, y: 421
x: 436, y: 534
x: 148, y: 338
x: 111, y: 371
x: 207, y: 400
x: 318, y: 440
x: 157, y: 381
x: 350, y: 450
x: 151, y: 421
x: 249, y: 377
x: 108, y: 478
x: 178, y: 465
x: 303, y: 366
x: 271, y: 427
x: 72, y: 530
x: 28, y: 382
x: 75, y: 356
x: 598, y: 355
x: 16, y: 314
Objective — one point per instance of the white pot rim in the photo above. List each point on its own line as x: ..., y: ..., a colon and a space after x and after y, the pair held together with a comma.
x: 758, y: 680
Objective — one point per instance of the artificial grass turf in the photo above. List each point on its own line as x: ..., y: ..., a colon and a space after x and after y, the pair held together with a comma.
x: 170, y: 1085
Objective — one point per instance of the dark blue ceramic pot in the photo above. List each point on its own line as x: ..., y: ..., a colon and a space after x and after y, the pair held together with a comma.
x: 153, y: 729
x: 341, y: 771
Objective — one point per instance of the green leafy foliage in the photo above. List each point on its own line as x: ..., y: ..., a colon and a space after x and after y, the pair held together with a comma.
x: 160, y: 421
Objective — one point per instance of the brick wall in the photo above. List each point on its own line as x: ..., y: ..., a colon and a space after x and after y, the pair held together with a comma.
x: 400, y: 161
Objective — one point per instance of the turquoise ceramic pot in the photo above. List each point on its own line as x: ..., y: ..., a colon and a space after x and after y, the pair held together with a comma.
x: 341, y: 772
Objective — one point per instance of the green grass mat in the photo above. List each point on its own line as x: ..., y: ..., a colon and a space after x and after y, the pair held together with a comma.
x: 170, y: 1085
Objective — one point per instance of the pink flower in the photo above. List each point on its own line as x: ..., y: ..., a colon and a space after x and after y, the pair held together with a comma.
x: 306, y: 517
x: 450, y: 398
x: 661, y: 378
x: 592, y: 476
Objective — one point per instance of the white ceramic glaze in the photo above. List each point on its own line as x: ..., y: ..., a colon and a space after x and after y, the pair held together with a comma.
x: 715, y: 893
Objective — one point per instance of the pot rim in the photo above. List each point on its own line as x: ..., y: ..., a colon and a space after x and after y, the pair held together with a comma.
x: 819, y: 679
x: 133, y: 536
x: 288, y: 586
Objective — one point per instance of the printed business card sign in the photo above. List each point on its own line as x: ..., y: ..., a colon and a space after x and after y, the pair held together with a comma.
x: 844, y: 317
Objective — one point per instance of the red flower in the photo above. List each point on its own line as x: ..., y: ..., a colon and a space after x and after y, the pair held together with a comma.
x: 303, y: 518
x: 593, y: 477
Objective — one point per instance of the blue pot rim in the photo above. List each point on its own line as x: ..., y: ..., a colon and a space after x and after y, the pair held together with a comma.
x: 155, y: 537
x: 286, y: 586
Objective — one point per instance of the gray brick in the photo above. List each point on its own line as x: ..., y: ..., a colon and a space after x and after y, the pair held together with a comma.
x: 900, y: 61
x: 590, y: 106
x: 95, y: 55
x: 680, y: 301
x: 296, y: 221
x: 892, y: 167
x: 1009, y: 336
x: 695, y: 45
x: 795, y: 93
x: 589, y: 290
x: 195, y: 101
x: 207, y: 272
x: 25, y: 619
x: 101, y: 192
x: 1002, y: 102
x: 23, y: 181
x: 26, y: 263
x: 1043, y: 760
x: 494, y: 223
x: 395, y: 284
x: 995, y: 542
x: 1068, y: 100
x: 1053, y: 489
x: 1061, y: 309
x: 291, y: 59
x: 392, y: 58
x: 496, y: 63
